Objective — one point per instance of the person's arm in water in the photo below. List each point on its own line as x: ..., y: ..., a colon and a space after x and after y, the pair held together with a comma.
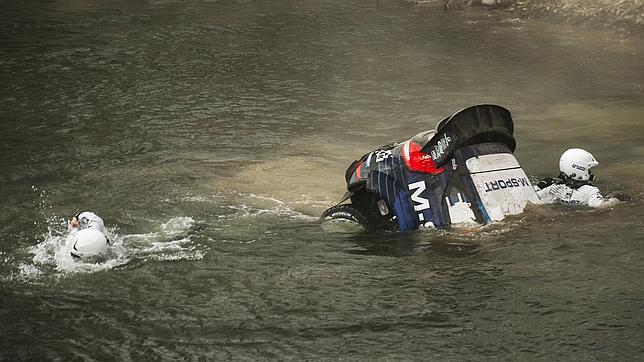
x: 74, y: 223
x: 596, y: 200
x: 542, y: 188
x: 548, y: 181
x: 89, y: 220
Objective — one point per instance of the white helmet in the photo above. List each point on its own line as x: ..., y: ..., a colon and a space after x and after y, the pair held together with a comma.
x: 87, y: 242
x: 576, y: 163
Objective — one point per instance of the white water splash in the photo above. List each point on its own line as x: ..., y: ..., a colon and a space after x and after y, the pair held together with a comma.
x: 52, y: 255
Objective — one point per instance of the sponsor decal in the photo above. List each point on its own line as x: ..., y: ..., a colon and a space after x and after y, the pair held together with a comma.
x: 574, y: 202
x: 441, y: 146
x: 580, y: 168
x: 420, y: 202
x: 346, y: 215
x: 382, y: 155
x: 504, y: 184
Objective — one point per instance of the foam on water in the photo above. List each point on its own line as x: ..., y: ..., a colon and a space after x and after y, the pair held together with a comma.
x: 243, y: 205
x: 51, y: 257
x: 260, y: 205
x: 170, y: 241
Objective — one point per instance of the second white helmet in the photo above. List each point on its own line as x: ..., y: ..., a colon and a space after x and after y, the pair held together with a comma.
x: 576, y: 163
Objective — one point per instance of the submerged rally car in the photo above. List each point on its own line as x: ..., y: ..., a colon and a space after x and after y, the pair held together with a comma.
x: 463, y: 172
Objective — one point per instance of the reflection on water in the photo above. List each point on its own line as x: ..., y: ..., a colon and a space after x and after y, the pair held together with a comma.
x: 211, y: 134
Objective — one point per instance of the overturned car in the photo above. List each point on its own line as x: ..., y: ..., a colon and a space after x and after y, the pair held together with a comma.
x: 464, y: 172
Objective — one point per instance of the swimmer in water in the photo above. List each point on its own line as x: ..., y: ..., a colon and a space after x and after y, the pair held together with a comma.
x: 573, y: 185
x: 88, y: 220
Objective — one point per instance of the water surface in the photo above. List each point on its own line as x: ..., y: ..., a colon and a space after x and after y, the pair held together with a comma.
x: 211, y: 134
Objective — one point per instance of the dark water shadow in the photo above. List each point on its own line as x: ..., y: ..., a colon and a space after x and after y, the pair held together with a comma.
x: 403, y: 244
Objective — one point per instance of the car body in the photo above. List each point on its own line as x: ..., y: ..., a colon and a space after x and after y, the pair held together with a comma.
x: 462, y: 172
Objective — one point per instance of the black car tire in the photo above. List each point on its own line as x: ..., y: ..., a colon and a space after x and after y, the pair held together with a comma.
x: 345, y: 212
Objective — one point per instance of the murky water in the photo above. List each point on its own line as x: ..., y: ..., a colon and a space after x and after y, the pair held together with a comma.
x: 210, y: 134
